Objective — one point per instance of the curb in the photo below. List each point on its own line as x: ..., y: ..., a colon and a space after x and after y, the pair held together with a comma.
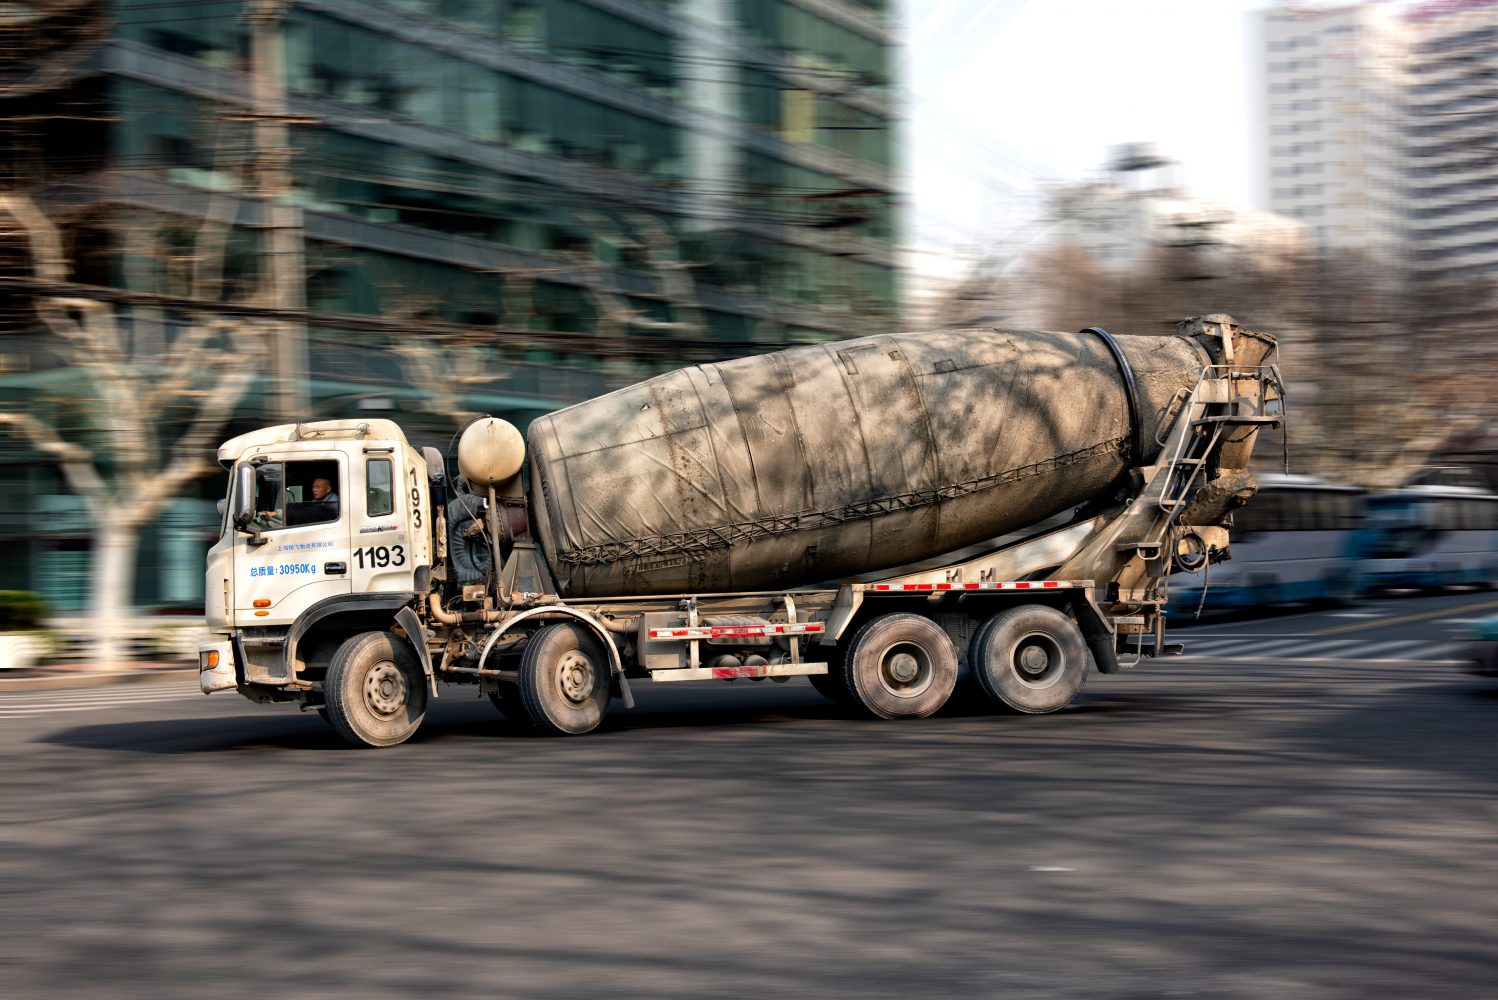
x: 45, y: 680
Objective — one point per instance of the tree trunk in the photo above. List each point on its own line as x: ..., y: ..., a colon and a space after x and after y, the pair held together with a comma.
x: 113, y: 583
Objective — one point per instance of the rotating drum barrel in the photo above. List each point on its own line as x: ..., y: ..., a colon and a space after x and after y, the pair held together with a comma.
x: 826, y: 461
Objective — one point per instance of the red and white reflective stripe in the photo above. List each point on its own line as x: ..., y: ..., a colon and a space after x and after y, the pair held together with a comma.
x: 730, y: 673
x: 1019, y: 585
x: 737, y: 631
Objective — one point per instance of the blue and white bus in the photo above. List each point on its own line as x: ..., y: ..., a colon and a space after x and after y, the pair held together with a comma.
x: 1431, y: 536
x: 1297, y: 540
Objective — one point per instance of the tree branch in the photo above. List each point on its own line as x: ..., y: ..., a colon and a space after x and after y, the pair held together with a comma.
x: 75, y: 461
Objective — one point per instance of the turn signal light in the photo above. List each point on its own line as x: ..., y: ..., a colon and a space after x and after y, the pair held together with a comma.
x: 262, y: 603
x: 211, y: 660
x: 261, y: 614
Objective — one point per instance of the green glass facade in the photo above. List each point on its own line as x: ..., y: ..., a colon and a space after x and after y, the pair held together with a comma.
x: 671, y: 181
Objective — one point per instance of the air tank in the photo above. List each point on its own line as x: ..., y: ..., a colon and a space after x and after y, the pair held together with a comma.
x: 827, y: 461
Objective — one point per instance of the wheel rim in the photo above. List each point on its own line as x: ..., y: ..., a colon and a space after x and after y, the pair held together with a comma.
x: 905, y: 670
x: 385, y: 689
x: 1037, y: 660
x: 575, y: 677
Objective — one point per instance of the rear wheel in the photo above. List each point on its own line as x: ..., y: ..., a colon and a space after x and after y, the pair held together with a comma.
x: 564, y: 680
x: 899, y: 666
x: 1032, y: 658
x: 375, y: 691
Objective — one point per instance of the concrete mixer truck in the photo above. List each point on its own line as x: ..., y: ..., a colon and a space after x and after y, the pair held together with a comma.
x: 877, y: 515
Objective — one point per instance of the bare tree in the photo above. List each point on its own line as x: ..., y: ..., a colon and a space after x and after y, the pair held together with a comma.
x: 1388, y: 370
x: 1382, y: 371
x: 445, y: 368
x: 129, y: 473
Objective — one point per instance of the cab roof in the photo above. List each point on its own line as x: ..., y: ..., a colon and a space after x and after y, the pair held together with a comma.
x: 376, y: 429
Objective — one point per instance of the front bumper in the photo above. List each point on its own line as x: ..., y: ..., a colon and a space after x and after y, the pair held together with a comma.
x: 216, y: 667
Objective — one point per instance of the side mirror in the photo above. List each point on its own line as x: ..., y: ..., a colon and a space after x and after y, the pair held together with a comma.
x: 243, y: 511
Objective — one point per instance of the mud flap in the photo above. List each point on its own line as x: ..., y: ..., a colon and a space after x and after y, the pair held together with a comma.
x: 1095, y: 630
x: 416, y: 633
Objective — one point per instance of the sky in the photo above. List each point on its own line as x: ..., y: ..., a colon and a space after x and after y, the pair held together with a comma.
x: 1006, y: 95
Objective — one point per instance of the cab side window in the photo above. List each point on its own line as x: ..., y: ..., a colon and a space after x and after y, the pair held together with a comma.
x: 379, y: 495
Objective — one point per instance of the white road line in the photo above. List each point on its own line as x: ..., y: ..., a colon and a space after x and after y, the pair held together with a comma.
x: 12, y: 711
x: 1286, y: 661
x: 67, y: 698
x: 73, y: 697
x: 1306, y: 648
x: 1323, y: 650
x: 1300, y: 649
x: 1216, y: 649
x: 1399, y: 650
x: 1269, y: 648
x: 1260, y: 636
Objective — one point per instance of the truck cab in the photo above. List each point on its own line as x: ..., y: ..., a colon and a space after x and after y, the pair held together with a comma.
x: 323, y: 522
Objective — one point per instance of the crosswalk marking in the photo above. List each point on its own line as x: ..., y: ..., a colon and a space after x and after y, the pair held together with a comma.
x: 1416, y: 648
x: 1334, y: 649
x: 33, y: 703
x: 1224, y: 649
x: 1270, y: 648
x: 1310, y: 648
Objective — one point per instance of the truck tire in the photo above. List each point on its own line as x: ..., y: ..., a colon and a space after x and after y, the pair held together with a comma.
x: 375, y: 691
x: 1031, y: 658
x: 564, y: 680
x: 899, y: 666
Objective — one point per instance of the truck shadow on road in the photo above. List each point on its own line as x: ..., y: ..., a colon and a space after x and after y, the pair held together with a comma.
x: 659, y: 712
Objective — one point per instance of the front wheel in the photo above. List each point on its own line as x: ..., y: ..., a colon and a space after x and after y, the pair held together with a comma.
x: 564, y: 680
x: 900, y: 666
x: 375, y: 692
x: 1032, y: 658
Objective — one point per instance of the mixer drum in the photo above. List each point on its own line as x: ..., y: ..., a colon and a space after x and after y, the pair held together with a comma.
x: 821, y: 462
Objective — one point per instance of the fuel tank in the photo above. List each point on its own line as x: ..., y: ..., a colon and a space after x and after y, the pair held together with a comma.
x: 832, y: 460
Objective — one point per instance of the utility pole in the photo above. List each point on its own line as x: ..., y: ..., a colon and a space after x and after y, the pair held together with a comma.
x: 282, y: 269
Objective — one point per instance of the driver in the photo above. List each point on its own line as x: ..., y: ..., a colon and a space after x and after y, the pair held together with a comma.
x: 322, y: 492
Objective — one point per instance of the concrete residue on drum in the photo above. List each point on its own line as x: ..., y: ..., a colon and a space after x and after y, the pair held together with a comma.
x: 823, y: 461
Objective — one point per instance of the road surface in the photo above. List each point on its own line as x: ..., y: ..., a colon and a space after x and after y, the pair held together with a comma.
x: 1302, y: 806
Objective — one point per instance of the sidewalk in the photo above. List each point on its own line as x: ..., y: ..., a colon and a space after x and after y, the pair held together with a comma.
x: 55, y: 676
x: 156, y: 648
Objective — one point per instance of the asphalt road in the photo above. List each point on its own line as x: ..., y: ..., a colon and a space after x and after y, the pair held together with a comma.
x: 1314, y: 821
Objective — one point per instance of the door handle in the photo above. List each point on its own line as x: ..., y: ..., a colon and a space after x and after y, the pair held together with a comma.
x: 335, y: 568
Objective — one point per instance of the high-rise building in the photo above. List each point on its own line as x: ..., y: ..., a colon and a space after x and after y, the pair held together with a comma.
x: 1332, y: 123
x: 1452, y: 146
x: 593, y: 190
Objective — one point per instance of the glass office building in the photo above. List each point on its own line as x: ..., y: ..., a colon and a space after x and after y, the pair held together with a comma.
x: 563, y: 195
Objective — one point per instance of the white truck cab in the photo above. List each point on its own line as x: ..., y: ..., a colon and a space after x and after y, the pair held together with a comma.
x: 321, y: 518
